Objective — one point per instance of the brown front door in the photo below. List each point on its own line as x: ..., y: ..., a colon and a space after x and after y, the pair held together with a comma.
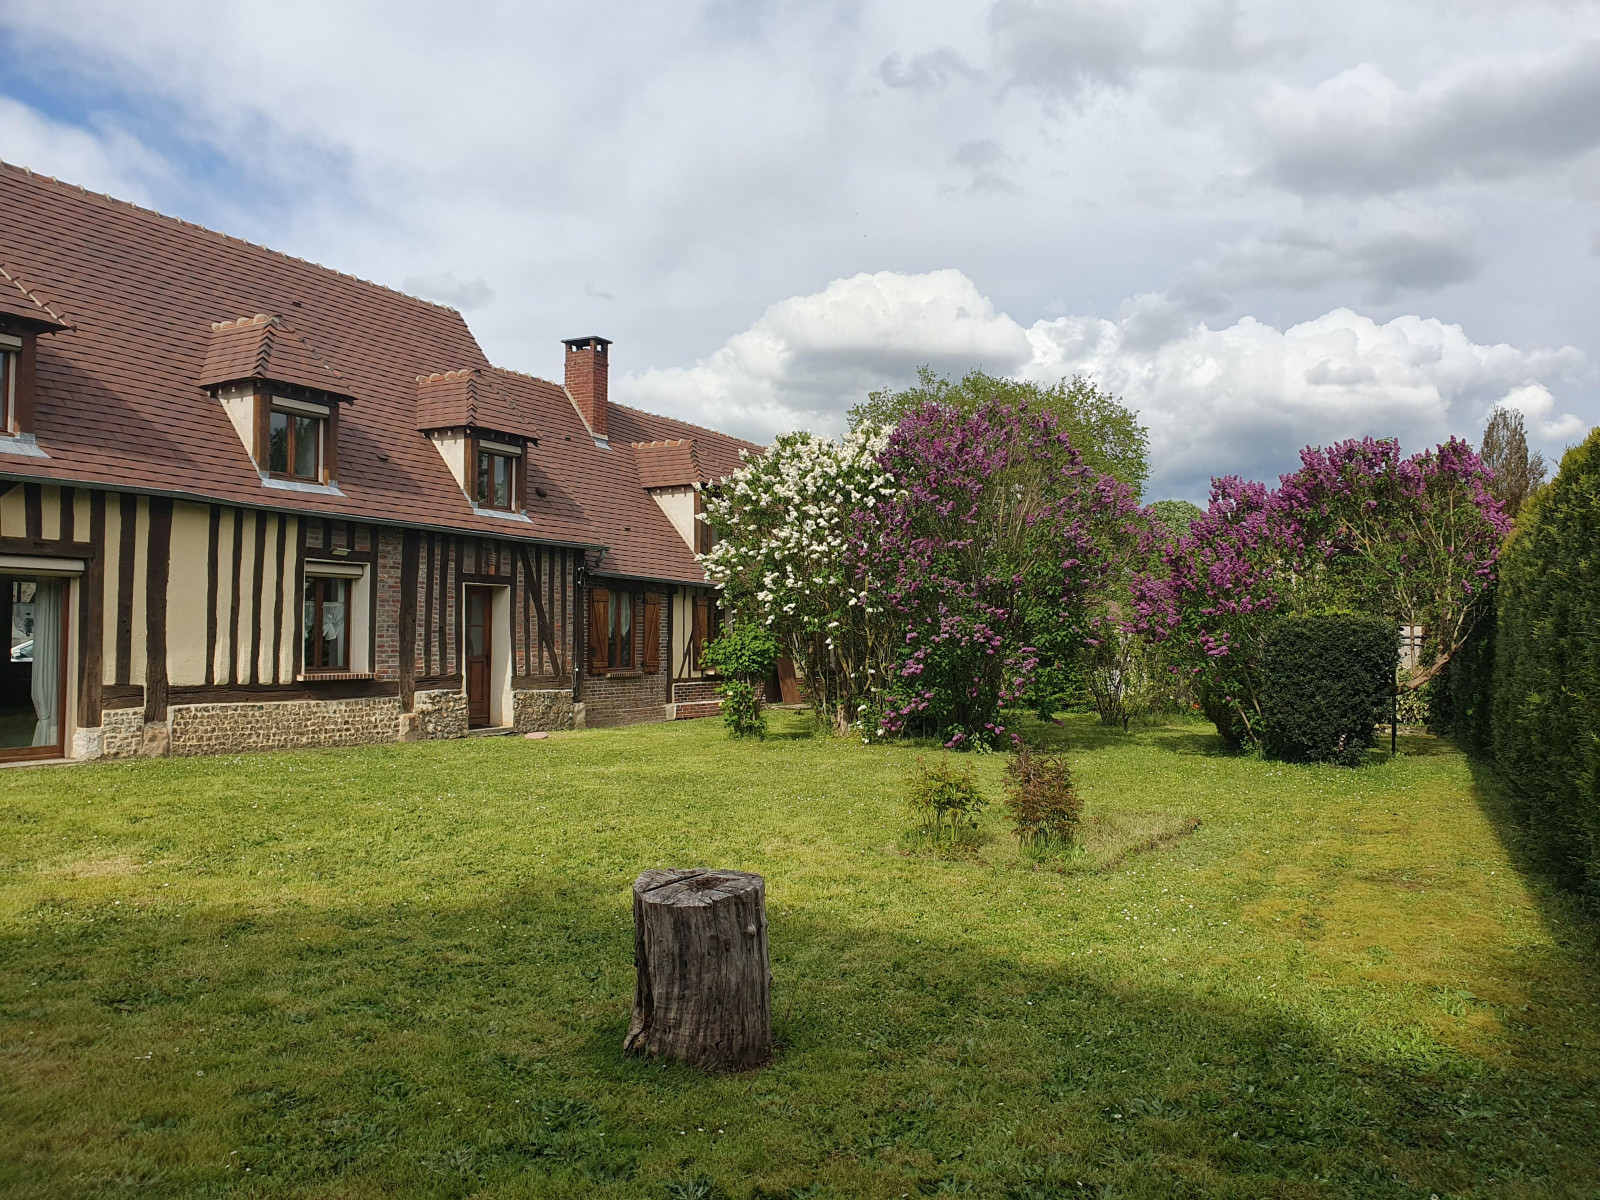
x: 480, y: 606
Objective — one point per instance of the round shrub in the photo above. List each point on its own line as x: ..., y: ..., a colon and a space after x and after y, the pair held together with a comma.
x: 1326, y: 681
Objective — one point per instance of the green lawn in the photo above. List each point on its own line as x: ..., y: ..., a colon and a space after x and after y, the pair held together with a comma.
x: 407, y: 971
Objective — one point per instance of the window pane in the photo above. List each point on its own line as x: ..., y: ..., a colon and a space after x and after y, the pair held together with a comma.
x: 625, y: 642
x: 502, y: 481
x: 278, y: 444
x: 335, y: 610
x: 305, y: 447
x: 477, y: 618
x: 309, y: 655
x: 485, y: 461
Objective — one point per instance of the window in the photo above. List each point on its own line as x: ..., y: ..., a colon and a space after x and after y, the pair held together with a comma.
x: 497, y: 473
x: 495, y: 467
x: 327, y: 624
x: 707, y: 623
x: 613, y: 636
x: 294, y: 446
x: 621, y: 622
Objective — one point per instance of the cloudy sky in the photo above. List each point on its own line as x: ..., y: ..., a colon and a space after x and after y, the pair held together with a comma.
x: 1261, y: 224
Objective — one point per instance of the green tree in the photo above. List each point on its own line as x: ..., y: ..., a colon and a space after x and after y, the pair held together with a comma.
x: 1518, y: 473
x: 1174, y: 516
x: 1106, y: 433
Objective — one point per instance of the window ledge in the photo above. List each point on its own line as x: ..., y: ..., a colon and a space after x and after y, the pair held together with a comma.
x: 332, y: 676
x: 22, y: 445
x: 621, y: 673
x: 292, y: 485
x: 503, y: 514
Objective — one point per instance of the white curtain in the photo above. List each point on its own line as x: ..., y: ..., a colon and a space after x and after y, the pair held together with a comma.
x: 47, y: 661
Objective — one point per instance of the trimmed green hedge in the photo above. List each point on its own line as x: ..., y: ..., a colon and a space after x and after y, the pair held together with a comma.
x: 1326, y: 682
x: 1545, y: 715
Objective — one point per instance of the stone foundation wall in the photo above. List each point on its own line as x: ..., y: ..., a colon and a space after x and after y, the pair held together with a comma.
x: 121, y: 732
x: 542, y: 710
x: 283, y: 725
x: 440, y: 714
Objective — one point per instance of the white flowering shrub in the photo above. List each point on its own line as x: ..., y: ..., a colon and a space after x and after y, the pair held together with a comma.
x: 785, y: 557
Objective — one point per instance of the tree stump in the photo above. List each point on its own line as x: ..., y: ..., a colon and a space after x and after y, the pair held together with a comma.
x: 704, y: 990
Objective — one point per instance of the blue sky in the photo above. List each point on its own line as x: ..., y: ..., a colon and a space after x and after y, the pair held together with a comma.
x: 1261, y: 224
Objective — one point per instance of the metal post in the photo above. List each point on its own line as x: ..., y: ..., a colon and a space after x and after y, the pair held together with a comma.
x: 1394, y: 722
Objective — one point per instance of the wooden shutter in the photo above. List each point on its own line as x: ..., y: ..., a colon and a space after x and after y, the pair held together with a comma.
x: 702, y: 624
x: 599, y: 629
x: 519, y: 485
x: 330, y: 443
x: 650, y: 629
x: 26, y: 366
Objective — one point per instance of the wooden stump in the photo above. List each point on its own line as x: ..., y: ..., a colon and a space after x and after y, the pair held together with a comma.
x: 704, y: 991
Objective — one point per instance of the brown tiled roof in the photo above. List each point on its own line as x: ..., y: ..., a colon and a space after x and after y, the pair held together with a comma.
x: 717, y: 454
x: 473, y: 398
x: 269, y: 348
x: 18, y: 300
x: 667, y: 464
x: 120, y: 403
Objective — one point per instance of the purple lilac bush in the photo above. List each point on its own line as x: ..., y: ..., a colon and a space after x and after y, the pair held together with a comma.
x: 997, y: 531
x: 1359, y: 526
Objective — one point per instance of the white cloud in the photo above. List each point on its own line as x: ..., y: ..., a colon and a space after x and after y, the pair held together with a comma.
x: 1237, y: 400
x: 99, y: 157
x: 808, y: 358
x: 1538, y: 406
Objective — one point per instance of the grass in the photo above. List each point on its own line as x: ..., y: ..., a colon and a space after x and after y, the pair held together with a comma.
x: 406, y: 971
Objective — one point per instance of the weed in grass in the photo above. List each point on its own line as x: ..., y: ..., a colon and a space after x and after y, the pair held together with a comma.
x: 945, y: 802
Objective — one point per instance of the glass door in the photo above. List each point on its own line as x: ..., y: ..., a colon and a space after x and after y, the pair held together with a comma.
x: 33, y: 679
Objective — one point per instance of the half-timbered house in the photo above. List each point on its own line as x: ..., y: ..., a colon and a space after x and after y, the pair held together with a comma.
x: 249, y: 502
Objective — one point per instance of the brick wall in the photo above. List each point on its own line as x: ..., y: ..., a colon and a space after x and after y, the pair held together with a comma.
x: 386, y: 582
x: 624, y: 700
x: 693, y: 698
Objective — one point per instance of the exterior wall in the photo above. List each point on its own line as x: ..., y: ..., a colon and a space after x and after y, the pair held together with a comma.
x: 678, y: 503
x: 547, y: 710
x: 185, y: 628
x: 228, y: 728
x: 695, y: 698
x: 629, y: 697
x: 682, y: 631
x: 441, y: 714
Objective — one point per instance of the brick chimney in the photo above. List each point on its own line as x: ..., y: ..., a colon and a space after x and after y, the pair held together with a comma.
x: 588, y: 371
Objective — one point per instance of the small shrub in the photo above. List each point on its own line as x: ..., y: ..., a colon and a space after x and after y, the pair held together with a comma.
x: 1045, y: 807
x: 1326, y: 681
x: 741, y: 710
x: 945, y: 803
x: 744, y: 650
x: 744, y: 655
x: 1416, y: 706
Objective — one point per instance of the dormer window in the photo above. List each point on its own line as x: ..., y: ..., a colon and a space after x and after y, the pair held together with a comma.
x: 496, y: 475
x: 296, y: 437
x: 282, y: 396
